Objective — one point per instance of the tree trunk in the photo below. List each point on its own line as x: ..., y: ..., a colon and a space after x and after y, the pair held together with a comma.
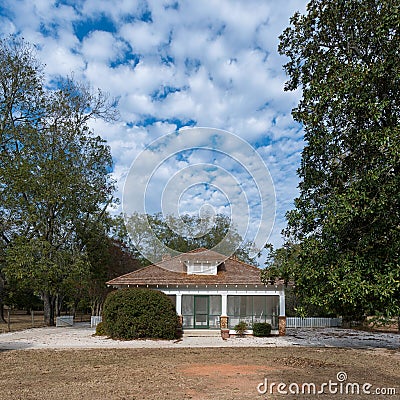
x: 2, y: 290
x: 49, y: 308
x: 96, y: 306
x: 4, y: 320
x: 59, y: 304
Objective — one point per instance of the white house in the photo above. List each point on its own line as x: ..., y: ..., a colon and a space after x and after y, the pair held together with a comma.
x: 211, y: 291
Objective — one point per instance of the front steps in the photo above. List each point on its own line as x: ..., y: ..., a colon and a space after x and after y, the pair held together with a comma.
x: 201, y: 333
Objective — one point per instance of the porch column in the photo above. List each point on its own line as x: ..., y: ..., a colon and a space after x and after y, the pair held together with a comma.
x: 282, y: 314
x: 224, y: 317
x: 179, y: 304
x: 282, y: 306
x: 224, y: 306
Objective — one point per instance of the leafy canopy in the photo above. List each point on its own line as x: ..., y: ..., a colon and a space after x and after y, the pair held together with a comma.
x: 152, y: 233
x: 344, y: 55
x: 54, y: 172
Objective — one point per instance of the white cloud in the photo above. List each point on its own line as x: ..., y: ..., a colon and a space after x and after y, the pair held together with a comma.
x: 100, y: 46
x: 142, y: 37
x: 212, y: 62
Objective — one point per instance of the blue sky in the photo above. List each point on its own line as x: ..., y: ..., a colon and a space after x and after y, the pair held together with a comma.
x: 177, y: 64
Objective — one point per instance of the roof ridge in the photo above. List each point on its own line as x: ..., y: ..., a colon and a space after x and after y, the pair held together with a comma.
x: 197, y: 249
x: 132, y: 272
x: 245, y: 263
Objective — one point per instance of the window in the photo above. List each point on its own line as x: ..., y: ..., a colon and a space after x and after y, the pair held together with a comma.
x: 253, y: 309
x: 188, y: 311
x: 201, y: 311
x: 215, y: 311
x: 202, y: 267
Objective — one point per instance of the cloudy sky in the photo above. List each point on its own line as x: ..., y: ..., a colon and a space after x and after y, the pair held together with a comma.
x: 177, y: 64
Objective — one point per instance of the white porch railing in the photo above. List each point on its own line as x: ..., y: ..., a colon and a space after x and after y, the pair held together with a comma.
x: 313, y: 322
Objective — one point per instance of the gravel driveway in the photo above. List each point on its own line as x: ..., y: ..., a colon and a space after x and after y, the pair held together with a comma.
x: 81, y: 336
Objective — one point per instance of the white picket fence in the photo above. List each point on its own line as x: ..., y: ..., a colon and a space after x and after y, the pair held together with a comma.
x: 95, y: 320
x: 312, y: 322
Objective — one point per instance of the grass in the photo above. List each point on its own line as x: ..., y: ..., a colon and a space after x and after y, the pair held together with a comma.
x: 197, y: 373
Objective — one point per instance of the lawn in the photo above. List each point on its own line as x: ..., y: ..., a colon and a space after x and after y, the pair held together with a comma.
x: 201, y: 373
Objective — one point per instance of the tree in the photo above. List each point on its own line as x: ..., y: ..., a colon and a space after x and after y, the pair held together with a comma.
x: 280, y: 263
x: 151, y: 234
x: 54, y: 172
x: 109, y: 257
x: 344, y: 55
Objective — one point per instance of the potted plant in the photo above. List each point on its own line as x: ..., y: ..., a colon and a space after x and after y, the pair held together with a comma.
x: 241, y: 328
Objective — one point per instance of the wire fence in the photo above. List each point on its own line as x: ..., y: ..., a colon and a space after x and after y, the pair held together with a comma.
x: 16, y: 320
x: 313, y: 322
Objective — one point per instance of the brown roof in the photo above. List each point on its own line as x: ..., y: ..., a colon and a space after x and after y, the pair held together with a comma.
x: 173, y: 272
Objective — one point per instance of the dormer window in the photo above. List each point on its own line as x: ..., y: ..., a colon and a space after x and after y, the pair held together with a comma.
x: 201, y: 267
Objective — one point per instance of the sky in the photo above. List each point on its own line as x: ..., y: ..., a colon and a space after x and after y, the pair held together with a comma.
x: 182, y: 65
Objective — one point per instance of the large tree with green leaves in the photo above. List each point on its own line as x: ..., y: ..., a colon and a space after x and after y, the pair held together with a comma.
x: 54, y: 173
x: 110, y: 255
x: 152, y: 234
x: 345, y: 57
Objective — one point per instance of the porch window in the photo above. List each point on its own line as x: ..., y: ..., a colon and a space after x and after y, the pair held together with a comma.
x: 253, y: 309
x: 201, y: 311
x: 188, y: 311
x: 215, y: 311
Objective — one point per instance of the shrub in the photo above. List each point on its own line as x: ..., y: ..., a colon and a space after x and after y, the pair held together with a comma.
x: 101, y: 329
x: 241, y: 328
x: 140, y: 313
x: 261, y: 329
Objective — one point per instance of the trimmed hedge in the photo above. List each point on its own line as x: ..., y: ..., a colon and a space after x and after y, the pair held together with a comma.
x: 100, y: 329
x: 140, y: 314
x: 261, y: 329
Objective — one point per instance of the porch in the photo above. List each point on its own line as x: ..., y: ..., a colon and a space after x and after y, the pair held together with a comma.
x: 223, y: 310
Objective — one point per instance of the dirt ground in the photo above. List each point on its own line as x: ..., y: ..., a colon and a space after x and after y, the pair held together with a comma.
x: 20, y: 320
x: 197, y: 373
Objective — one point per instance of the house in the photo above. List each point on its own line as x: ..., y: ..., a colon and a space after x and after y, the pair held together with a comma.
x: 211, y: 291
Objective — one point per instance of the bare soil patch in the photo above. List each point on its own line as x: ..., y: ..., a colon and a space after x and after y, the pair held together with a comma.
x: 186, y: 373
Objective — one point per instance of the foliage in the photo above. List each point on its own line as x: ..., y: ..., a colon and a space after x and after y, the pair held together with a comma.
x: 280, y: 262
x: 261, y: 329
x: 22, y: 298
x: 108, y: 257
x: 101, y: 329
x: 54, y: 173
x: 151, y: 233
x: 140, y: 313
x: 344, y: 55
x: 241, y: 328
x: 38, y: 266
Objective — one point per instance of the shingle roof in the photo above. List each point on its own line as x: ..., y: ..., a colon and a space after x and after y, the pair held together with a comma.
x: 173, y: 272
